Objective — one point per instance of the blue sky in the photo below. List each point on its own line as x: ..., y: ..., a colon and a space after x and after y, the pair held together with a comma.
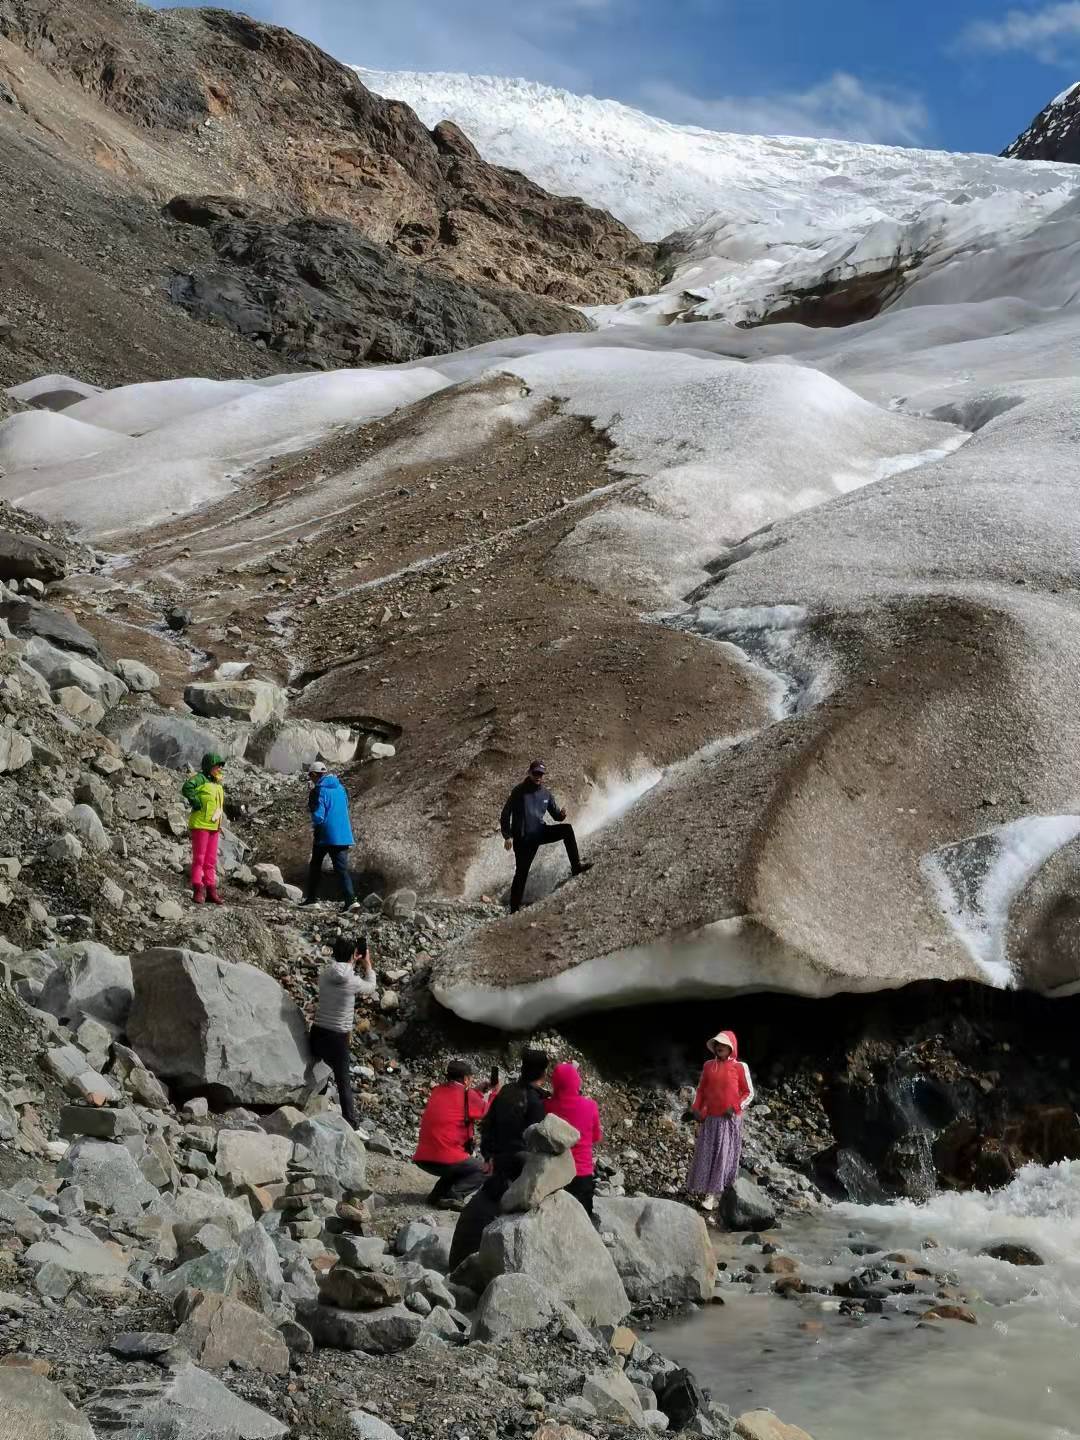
x: 953, y: 74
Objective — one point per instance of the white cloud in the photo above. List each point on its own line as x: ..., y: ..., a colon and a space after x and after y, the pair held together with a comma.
x: 1051, y: 33
x: 840, y: 108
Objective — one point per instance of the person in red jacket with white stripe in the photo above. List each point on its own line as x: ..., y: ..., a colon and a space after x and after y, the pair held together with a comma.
x: 724, y: 1091
x: 445, y: 1147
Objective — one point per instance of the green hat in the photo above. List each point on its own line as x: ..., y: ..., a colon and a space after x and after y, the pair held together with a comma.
x: 211, y: 761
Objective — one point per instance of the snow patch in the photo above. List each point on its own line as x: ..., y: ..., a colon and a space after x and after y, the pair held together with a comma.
x: 977, y: 879
x: 46, y: 437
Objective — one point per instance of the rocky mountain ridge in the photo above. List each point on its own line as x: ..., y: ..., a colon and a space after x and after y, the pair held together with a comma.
x: 1054, y: 134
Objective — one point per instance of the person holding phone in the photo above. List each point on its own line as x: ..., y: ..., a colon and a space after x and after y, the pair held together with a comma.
x: 446, y: 1144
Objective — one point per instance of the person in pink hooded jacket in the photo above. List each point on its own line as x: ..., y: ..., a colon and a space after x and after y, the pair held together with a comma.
x: 568, y: 1103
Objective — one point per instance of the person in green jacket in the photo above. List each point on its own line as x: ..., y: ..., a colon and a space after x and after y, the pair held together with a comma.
x: 205, y: 796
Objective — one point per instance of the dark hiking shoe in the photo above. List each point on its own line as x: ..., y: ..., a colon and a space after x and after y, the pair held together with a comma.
x: 351, y: 905
x: 212, y: 896
x: 198, y: 894
x: 306, y: 901
x: 583, y: 868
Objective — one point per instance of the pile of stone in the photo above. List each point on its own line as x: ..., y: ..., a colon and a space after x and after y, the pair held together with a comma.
x: 301, y: 1203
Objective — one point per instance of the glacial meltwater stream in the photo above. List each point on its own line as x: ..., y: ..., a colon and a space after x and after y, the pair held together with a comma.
x: 1013, y: 1376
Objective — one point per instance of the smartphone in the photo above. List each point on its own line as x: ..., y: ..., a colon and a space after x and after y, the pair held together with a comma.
x: 494, y: 1077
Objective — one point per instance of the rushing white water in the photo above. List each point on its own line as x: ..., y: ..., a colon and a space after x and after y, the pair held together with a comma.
x: 1011, y: 1377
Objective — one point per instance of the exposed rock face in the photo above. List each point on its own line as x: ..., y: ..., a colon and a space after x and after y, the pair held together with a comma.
x: 320, y: 294
x: 1054, y: 134
x: 36, y: 1409
x: 88, y: 980
x: 202, y: 1023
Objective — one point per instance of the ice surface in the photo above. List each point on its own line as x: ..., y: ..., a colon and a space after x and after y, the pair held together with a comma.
x: 976, y: 881
x: 135, y: 409
x: 42, y: 437
x: 658, y: 177
x: 197, y: 457
x: 43, y: 384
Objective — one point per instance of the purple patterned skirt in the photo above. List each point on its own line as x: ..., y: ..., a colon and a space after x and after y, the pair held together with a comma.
x: 716, y: 1155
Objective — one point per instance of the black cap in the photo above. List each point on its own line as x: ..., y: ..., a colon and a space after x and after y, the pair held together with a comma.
x: 538, y: 768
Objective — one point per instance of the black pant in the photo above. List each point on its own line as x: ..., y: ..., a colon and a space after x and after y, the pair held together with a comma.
x: 456, y: 1179
x: 339, y: 858
x: 583, y: 1188
x: 332, y: 1048
x: 525, y: 853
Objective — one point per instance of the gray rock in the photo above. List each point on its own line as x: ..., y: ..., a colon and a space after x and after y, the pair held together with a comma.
x: 72, y: 1069
x: 335, y: 1154
x: 195, y: 1238
x: 88, y: 980
x: 552, y: 1136
x: 370, y: 1427
x: 53, y: 1282
x: 108, y: 1176
x: 541, y: 1175
x: 204, y: 1205
x: 137, y: 676
x: 201, y: 1022
x: 25, y: 557
x: 217, y: 1331
x: 15, y: 750
x: 85, y: 822
x: 613, y: 1398
x: 255, y: 700
x: 258, y: 1252
x: 143, y: 1345
x: 146, y: 1088
x: 28, y: 618
x: 363, y: 1252
x: 80, y: 1254
x: 410, y: 1235
x: 287, y: 746
x: 171, y: 740
x: 378, y: 1332
x: 745, y: 1206
x: 253, y: 1158
x: 95, y: 1040
x: 537, y: 1244
x: 297, y: 1339
x: 98, y: 1123
x: 661, y: 1249
x: 65, y: 849
x: 188, y: 1404
x: 400, y: 905
x: 33, y: 1408
x: 517, y: 1305
x: 60, y: 669
x: 358, y: 1289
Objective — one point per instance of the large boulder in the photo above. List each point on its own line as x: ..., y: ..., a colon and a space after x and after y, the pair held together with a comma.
x: 108, y: 1176
x: 253, y: 700
x: 204, y: 1024
x: 379, y: 1332
x: 88, y: 980
x: 517, y: 1305
x: 33, y: 1408
x: 287, y: 746
x: 252, y: 1157
x: 59, y: 668
x: 334, y: 1152
x: 172, y: 740
x: 27, y: 618
x: 219, y: 1332
x: 557, y: 1247
x: 25, y: 557
x: 661, y: 1249
x: 187, y: 1402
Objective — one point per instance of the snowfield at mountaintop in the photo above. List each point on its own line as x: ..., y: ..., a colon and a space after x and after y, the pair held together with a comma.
x: 868, y: 534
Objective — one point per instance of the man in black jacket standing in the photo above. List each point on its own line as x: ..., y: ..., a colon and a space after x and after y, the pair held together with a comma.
x: 525, y: 828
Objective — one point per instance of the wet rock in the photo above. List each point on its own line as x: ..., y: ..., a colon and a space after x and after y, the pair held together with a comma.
x: 88, y: 980
x: 1014, y: 1253
x: 745, y: 1206
x: 189, y: 1402
x: 951, y: 1312
x: 178, y: 618
x: 681, y: 1399
x: 217, y: 1332
x: 661, y: 1249
x: 537, y: 1244
x: 33, y: 1408
x: 200, y: 1022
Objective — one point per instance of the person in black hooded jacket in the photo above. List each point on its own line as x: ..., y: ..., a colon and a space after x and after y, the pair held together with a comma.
x: 524, y: 829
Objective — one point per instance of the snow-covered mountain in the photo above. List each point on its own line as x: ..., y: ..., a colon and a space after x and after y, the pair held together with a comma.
x: 658, y: 177
x: 1054, y: 134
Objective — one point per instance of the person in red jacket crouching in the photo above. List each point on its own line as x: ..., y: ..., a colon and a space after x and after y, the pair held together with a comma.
x: 446, y: 1141
x: 723, y: 1092
x: 568, y: 1103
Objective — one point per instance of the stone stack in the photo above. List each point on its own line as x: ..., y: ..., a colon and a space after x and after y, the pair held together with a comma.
x: 302, y: 1202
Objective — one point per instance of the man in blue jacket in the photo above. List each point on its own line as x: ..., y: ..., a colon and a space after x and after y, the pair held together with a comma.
x: 331, y: 833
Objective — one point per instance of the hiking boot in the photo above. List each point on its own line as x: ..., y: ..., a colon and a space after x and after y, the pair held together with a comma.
x: 212, y: 896
x: 306, y: 901
x: 198, y: 894
x: 585, y: 865
x: 350, y: 905
x: 451, y: 1203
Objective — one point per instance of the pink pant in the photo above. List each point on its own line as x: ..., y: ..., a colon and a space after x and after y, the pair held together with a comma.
x: 204, y: 846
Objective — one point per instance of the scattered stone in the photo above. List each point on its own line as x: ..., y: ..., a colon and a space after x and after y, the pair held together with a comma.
x: 137, y: 676
x: 252, y: 1158
x: 188, y: 1402
x: 951, y: 1312
x: 86, y: 824
x: 99, y: 1123
x: 255, y: 700
x: 764, y: 1425
x: 745, y: 1206
x: 1014, y: 1253
x: 517, y: 1305
x: 33, y: 1408
x: 358, y: 1289
x: 217, y: 1332
x: 613, y: 1398
x: 108, y: 1176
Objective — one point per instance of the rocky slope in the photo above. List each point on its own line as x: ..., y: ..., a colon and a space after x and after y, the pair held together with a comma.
x: 111, y: 109
x: 1054, y: 134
